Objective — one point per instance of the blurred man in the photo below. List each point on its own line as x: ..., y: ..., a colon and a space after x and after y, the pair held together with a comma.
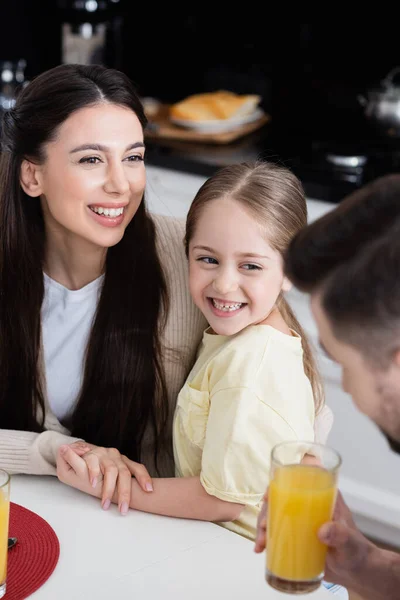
x: 349, y: 263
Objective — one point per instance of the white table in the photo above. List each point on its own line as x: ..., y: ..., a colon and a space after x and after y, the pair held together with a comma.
x: 104, y: 555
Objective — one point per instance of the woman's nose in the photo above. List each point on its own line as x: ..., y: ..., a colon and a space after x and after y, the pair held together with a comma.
x: 116, y: 181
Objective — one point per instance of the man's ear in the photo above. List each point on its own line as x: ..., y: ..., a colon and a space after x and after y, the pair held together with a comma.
x: 30, y: 178
x: 286, y: 285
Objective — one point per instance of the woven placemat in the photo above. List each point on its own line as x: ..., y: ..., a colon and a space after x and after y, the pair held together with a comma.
x: 33, y: 559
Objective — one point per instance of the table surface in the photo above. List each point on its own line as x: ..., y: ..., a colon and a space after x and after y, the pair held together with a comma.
x: 104, y: 555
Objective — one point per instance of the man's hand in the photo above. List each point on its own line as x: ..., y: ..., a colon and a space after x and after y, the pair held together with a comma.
x: 349, y: 551
x: 261, y: 536
x: 348, y: 548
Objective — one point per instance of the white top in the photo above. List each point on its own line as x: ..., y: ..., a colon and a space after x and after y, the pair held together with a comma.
x: 104, y: 555
x: 31, y: 452
x: 67, y: 317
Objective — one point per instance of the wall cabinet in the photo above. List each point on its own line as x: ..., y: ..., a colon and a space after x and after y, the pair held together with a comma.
x: 369, y: 480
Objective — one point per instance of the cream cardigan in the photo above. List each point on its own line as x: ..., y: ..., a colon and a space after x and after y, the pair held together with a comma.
x: 35, y: 453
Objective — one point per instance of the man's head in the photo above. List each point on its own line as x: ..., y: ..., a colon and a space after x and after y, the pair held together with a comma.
x: 349, y: 261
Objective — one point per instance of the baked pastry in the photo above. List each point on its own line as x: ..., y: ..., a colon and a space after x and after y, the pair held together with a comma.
x: 213, y: 106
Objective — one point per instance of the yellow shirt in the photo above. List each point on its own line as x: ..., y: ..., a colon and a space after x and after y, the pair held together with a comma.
x: 245, y: 393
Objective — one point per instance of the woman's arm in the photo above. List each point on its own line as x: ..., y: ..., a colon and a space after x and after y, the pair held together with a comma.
x: 29, y: 452
x: 174, y: 497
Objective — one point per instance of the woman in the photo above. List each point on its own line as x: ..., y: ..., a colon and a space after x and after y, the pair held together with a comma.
x: 88, y: 313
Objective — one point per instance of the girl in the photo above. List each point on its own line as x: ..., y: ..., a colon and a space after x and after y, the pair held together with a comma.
x: 84, y: 304
x: 255, y: 382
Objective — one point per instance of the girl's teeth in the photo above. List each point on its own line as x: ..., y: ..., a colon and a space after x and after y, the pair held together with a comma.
x: 107, y: 212
x: 227, y: 307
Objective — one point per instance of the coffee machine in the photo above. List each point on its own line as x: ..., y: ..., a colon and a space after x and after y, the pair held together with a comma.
x: 91, y: 32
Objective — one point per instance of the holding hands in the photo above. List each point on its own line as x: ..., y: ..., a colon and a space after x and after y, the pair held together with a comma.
x: 101, y: 472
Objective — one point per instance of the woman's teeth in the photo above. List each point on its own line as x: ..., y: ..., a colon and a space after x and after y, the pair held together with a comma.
x: 107, y: 212
x: 227, y: 307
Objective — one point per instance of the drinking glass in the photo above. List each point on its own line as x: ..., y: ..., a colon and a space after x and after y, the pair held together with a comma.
x: 301, y: 498
x: 4, y: 518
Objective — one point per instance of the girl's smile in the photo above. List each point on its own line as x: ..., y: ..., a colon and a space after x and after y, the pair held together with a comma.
x: 235, y: 276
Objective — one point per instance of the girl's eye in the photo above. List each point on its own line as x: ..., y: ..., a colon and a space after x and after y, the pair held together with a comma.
x: 208, y: 260
x: 135, y: 158
x: 251, y: 267
x: 90, y: 160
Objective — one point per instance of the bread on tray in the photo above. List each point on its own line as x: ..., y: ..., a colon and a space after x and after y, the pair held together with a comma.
x: 214, y: 106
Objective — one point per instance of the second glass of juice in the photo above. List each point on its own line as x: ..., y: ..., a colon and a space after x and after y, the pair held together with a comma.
x: 301, y: 498
x: 4, y: 517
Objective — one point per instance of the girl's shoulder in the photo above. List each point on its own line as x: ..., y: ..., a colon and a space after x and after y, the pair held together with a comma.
x: 260, y: 338
x: 252, y: 353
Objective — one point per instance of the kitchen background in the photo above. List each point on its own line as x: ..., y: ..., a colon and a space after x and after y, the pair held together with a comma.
x: 310, y: 78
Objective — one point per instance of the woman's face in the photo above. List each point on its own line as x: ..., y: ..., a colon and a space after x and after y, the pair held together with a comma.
x: 93, y: 177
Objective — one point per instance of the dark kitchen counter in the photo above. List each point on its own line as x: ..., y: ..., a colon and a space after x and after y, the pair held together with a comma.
x: 296, y: 152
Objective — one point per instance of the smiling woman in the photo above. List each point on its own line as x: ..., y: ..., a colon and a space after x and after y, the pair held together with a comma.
x: 84, y: 306
x: 96, y: 178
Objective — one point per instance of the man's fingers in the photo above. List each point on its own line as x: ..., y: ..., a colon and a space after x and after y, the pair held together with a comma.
x: 334, y: 534
x: 260, y: 539
x: 261, y: 529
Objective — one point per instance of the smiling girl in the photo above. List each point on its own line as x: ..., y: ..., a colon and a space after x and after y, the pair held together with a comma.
x: 254, y: 383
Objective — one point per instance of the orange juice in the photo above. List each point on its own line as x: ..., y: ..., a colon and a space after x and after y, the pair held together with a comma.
x: 301, y: 498
x: 4, y: 515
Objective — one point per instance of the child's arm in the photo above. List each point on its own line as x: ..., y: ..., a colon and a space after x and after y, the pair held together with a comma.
x: 182, y: 497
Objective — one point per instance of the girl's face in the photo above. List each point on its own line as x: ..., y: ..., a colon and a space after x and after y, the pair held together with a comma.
x: 93, y: 178
x: 235, y: 276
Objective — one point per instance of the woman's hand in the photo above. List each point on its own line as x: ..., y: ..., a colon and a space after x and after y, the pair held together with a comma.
x: 72, y: 470
x: 110, y: 466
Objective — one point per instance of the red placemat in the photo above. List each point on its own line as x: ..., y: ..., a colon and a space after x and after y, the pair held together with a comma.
x: 33, y: 559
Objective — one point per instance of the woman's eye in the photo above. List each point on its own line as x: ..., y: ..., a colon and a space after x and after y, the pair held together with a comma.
x: 208, y: 260
x: 90, y: 160
x: 251, y: 267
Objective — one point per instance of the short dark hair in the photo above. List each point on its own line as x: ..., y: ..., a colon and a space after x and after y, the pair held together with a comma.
x: 351, y: 256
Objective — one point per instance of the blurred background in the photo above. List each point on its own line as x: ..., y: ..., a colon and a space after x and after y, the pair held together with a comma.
x: 310, y: 76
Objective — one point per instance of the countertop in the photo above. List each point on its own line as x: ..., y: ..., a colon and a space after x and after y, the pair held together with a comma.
x: 269, y: 143
x: 104, y: 555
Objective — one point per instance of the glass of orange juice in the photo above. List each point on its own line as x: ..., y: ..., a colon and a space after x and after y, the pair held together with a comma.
x: 301, y: 498
x: 4, y: 517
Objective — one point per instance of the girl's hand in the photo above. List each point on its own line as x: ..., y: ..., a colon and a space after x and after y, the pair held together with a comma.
x: 115, y: 470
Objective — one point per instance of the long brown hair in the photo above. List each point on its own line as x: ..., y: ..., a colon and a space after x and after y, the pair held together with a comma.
x: 123, y: 392
x: 274, y: 196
